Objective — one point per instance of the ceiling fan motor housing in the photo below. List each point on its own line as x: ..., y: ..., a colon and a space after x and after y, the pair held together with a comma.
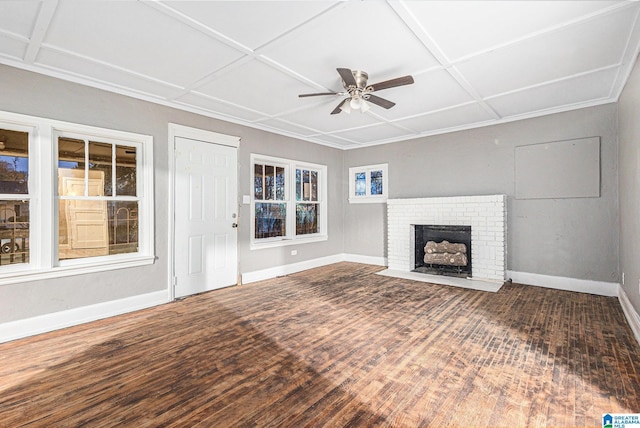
x: 357, y: 91
x: 361, y: 79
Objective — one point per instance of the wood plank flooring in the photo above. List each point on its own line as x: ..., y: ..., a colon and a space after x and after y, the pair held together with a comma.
x: 334, y: 346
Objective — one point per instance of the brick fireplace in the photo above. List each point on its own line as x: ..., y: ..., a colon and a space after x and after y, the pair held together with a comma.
x: 486, y: 215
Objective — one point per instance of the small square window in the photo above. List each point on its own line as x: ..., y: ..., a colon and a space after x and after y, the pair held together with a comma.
x: 368, y: 184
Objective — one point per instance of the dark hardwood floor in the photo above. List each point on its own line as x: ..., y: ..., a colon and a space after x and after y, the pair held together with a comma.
x: 334, y: 346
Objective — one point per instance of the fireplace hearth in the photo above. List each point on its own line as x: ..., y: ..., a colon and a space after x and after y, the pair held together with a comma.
x: 443, y: 250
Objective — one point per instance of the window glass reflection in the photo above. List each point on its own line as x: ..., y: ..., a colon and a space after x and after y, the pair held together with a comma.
x: 14, y: 232
x: 376, y: 182
x: 126, y: 171
x: 361, y: 184
x: 14, y: 162
x: 270, y: 220
x: 306, y: 219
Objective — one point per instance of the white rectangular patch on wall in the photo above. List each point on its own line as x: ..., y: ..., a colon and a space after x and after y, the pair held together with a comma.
x: 561, y: 169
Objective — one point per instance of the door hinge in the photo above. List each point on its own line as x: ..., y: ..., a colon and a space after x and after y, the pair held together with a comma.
x: 175, y: 281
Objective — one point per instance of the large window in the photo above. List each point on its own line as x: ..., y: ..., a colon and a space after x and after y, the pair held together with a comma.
x: 288, y: 201
x: 97, y: 197
x: 96, y: 214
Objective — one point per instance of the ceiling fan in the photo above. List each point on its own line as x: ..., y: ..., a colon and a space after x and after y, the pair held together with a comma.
x: 358, y: 92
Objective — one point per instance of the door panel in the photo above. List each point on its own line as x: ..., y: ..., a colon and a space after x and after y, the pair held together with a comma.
x: 83, y: 223
x: 205, y: 211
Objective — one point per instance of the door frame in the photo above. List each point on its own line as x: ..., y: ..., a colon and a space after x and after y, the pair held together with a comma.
x: 176, y: 130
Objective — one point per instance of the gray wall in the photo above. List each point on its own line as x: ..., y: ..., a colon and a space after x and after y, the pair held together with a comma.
x: 575, y: 237
x: 37, y: 95
x: 562, y: 237
x: 629, y: 181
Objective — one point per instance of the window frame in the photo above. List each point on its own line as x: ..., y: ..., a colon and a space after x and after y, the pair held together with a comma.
x: 290, y: 237
x: 43, y: 210
x: 32, y: 180
x: 368, y: 198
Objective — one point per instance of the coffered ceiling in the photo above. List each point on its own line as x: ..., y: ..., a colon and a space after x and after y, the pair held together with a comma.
x: 474, y: 62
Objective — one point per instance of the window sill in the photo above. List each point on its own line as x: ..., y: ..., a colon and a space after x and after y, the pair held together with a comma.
x: 285, y: 242
x: 62, y: 271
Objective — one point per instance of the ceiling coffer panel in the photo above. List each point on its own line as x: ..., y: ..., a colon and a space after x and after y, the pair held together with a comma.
x: 471, y: 63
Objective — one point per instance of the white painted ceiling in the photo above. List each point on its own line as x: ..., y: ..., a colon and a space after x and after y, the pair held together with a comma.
x: 474, y: 63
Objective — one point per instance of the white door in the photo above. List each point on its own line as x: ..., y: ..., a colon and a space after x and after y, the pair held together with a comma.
x: 205, y: 216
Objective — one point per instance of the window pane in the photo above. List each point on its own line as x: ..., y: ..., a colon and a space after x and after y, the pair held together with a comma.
x: 123, y: 227
x: 314, y: 185
x: 306, y: 186
x: 97, y: 228
x: 14, y: 162
x: 298, y: 185
x: 71, y: 164
x: 100, y: 158
x: 306, y: 219
x: 270, y: 220
x: 83, y: 229
x: 270, y: 181
x: 280, y: 179
x: 14, y: 232
x: 376, y: 182
x: 258, y: 181
x: 126, y: 179
x: 361, y: 183
x: 71, y: 182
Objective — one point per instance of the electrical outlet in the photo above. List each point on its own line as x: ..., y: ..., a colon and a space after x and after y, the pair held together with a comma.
x: 294, y: 252
x: 622, y: 278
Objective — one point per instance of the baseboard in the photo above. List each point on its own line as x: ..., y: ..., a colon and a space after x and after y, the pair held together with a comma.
x: 368, y: 260
x: 630, y: 313
x: 562, y: 283
x: 49, y: 322
x: 260, y: 275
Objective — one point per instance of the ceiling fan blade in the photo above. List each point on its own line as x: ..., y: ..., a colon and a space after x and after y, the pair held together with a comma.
x: 398, y: 81
x: 379, y: 101
x: 347, y: 76
x: 338, y: 109
x: 318, y: 93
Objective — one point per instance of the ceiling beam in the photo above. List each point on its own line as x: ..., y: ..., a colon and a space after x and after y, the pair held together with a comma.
x: 43, y: 21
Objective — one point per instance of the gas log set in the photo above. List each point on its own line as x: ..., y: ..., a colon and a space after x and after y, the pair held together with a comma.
x: 445, y: 253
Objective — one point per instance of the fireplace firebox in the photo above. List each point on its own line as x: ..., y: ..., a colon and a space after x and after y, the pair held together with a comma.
x: 443, y: 250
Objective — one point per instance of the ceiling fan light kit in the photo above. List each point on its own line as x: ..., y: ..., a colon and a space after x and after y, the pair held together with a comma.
x: 354, y: 103
x: 358, y: 93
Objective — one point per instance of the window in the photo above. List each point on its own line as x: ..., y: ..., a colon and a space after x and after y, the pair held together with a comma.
x: 307, y: 201
x: 97, y: 197
x: 97, y: 213
x: 269, y: 196
x: 14, y: 195
x: 288, y: 202
x: 368, y: 184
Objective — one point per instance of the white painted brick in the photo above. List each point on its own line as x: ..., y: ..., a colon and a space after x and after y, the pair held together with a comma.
x: 485, y: 215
